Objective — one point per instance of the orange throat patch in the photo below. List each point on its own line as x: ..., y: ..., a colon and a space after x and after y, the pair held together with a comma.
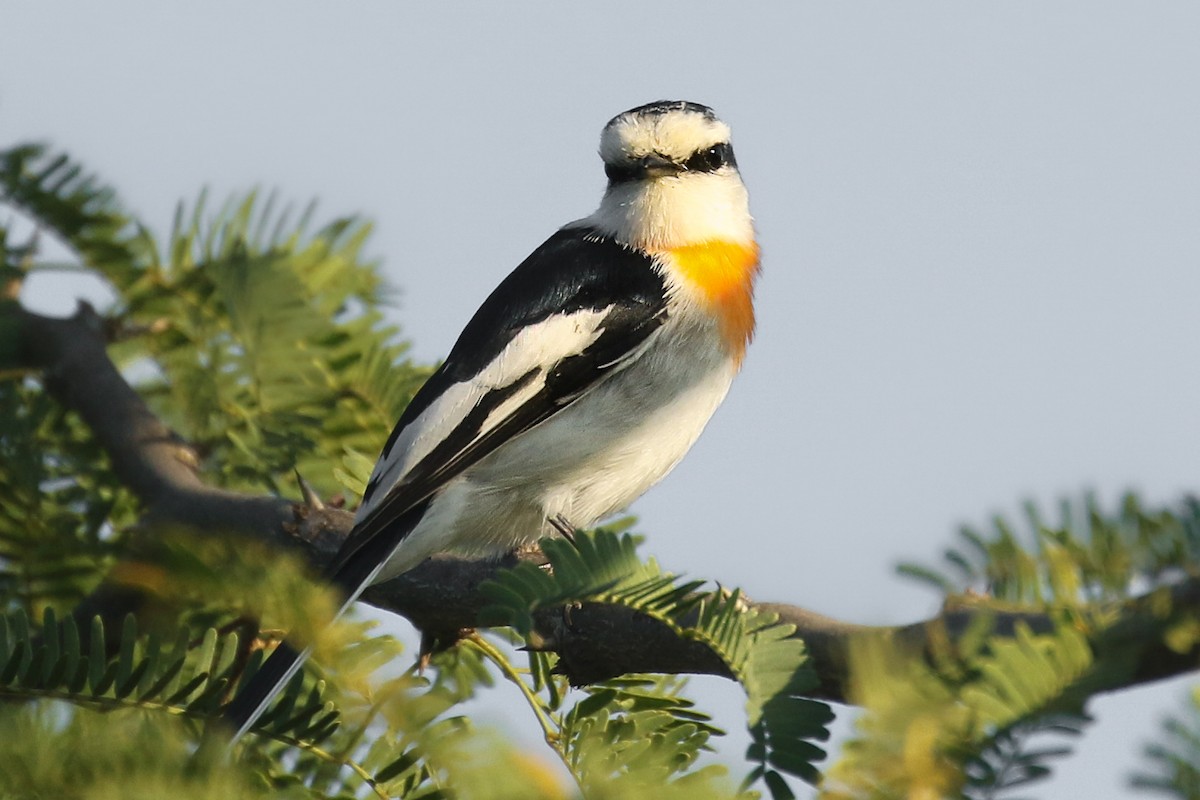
x: 723, y: 274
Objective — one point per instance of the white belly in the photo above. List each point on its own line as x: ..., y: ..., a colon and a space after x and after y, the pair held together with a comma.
x: 590, y: 460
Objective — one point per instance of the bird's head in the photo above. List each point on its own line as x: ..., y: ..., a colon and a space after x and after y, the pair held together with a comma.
x: 665, y: 139
x: 672, y: 178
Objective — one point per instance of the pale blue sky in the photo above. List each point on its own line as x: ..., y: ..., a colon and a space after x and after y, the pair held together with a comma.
x: 979, y: 225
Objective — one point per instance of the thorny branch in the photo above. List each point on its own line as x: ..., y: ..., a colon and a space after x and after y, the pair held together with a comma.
x: 443, y: 594
x: 148, y: 457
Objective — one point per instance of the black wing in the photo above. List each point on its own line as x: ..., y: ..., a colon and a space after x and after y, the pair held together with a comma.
x: 607, y: 298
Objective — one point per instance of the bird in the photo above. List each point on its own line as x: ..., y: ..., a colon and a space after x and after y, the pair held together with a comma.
x: 581, y: 381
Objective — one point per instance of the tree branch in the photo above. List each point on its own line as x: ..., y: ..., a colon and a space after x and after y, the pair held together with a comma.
x: 154, y: 462
x: 602, y: 641
x: 443, y: 594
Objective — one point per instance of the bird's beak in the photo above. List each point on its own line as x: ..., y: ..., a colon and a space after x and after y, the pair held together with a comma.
x: 656, y: 166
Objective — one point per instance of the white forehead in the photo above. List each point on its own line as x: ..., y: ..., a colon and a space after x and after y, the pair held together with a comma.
x: 676, y: 133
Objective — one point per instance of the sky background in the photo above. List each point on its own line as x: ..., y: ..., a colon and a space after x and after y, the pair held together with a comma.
x: 978, y: 222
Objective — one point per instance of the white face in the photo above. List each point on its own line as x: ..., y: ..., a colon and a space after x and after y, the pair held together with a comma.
x: 672, y: 179
x: 674, y: 131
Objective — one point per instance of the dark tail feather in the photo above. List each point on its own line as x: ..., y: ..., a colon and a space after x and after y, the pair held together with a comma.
x: 252, y: 701
x: 352, y: 576
x: 269, y: 681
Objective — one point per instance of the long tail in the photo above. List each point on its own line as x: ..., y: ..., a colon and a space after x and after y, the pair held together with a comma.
x: 353, y: 577
x: 270, y: 679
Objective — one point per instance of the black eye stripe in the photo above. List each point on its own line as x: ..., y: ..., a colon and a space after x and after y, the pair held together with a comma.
x: 620, y: 173
x: 711, y: 159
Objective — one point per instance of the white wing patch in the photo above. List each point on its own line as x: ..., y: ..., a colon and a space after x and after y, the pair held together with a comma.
x: 538, y: 347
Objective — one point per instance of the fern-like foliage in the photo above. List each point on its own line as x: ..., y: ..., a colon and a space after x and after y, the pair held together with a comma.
x: 52, y: 661
x: 116, y: 755
x: 58, y: 504
x: 603, y: 566
x: 633, y: 737
x: 321, y: 738
x: 1174, y: 760
x: 1089, y: 556
x: 268, y: 343
x: 1021, y: 754
x: 1079, y: 569
x: 78, y: 208
x: 637, y: 736
x: 257, y: 335
x: 402, y: 736
x: 958, y: 727
x: 58, y: 501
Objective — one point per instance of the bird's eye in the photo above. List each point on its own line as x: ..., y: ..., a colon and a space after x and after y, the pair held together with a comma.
x: 712, y: 159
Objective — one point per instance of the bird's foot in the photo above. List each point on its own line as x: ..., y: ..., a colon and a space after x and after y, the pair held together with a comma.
x: 566, y: 614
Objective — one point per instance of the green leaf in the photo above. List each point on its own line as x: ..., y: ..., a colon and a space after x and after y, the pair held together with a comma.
x: 603, y: 566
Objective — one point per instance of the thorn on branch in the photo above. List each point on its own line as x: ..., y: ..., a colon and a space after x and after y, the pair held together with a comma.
x: 311, y: 499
